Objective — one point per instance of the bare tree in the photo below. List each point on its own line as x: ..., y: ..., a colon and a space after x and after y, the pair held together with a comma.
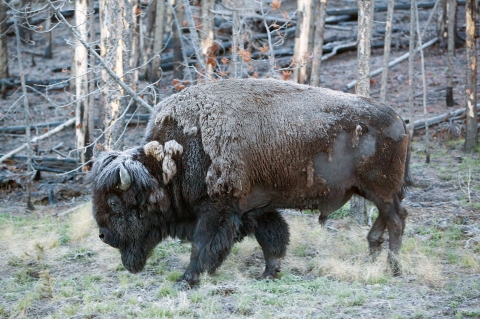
x: 365, y: 18
x: 424, y: 85
x: 207, y: 35
x: 318, y: 46
x: 386, y: 50
x: 302, y: 35
x: 81, y: 77
x: 451, y: 10
x: 47, y: 53
x: 237, y: 38
x: 112, y: 15
x: 26, y: 107
x: 194, y: 35
x: 411, y: 59
x: 155, y: 72
x: 3, y: 45
x: 471, y: 138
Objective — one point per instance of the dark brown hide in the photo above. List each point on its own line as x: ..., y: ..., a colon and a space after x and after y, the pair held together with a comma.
x: 219, y: 159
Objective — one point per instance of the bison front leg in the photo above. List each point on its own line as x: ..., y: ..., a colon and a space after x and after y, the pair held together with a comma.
x: 212, y: 242
x: 273, y: 236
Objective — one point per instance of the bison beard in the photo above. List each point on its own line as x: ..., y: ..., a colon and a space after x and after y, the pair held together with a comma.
x: 219, y: 159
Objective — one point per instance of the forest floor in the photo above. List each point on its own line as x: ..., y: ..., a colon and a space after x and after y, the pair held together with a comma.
x: 53, y: 265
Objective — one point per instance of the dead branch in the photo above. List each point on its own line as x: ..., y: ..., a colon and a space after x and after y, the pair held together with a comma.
x: 391, y: 64
x: 110, y: 72
x: 71, y: 210
x: 38, y: 138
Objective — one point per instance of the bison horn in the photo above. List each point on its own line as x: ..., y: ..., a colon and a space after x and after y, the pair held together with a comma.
x: 125, y: 179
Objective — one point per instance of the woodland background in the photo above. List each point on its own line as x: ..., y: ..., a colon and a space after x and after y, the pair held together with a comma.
x: 81, y: 77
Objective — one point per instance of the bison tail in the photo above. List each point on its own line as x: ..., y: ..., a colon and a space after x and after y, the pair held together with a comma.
x: 407, y: 178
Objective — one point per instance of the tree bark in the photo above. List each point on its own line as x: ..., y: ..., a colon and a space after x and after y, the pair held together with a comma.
x: 47, y: 53
x: 237, y: 34
x: 26, y: 108
x: 411, y: 59
x: 318, y: 47
x: 471, y: 138
x: 207, y: 35
x: 194, y: 37
x: 365, y: 17
x: 424, y: 85
x: 451, y: 10
x: 112, y: 32
x: 155, y: 73
x: 386, y: 51
x: 302, y: 36
x: 3, y: 47
x: 81, y: 78
x: 311, y: 39
x: 179, y: 50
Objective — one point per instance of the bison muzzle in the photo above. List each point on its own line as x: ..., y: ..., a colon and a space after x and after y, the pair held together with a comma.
x: 220, y: 159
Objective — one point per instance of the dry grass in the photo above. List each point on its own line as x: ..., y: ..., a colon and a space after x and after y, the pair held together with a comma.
x: 57, y: 268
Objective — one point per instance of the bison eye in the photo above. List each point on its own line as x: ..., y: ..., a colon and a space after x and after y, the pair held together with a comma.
x: 112, y: 203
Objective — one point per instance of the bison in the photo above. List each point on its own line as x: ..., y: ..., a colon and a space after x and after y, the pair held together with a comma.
x: 219, y: 160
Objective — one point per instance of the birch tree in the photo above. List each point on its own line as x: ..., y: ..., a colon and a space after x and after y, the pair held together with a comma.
x: 365, y: 18
x: 155, y: 72
x: 81, y: 77
x: 318, y: 44
x: 471, y: 138
x: 386, y: 50
x: 47, y: 53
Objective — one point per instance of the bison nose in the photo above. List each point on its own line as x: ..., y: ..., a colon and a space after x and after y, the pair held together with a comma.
x: 102, y: 236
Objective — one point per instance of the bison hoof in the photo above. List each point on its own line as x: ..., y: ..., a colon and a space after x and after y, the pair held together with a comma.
x: 182, y: 285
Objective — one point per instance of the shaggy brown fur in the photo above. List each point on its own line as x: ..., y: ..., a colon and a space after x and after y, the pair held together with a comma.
x: 219, y: 159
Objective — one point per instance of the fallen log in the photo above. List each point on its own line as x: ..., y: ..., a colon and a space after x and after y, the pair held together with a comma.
x: 449, y: 116
x: 38, y: 138
x: 391, y: 64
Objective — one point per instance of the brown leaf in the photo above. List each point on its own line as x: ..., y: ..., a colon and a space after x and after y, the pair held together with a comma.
x: 79, y: 125
x: 286, y: 75
x: 276, y: 4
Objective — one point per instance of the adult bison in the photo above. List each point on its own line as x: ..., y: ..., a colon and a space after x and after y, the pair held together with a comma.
x: 219, y: 159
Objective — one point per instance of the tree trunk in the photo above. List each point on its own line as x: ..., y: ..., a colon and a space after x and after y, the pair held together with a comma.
x: 155, y: 73
x: 207, y: 35
x: 194, y: 37
x: 237, y: 40
x: 81, y: 78
x: 26, y: 108
x: 451, y: 9
x: 179, y: 53
x: 47, y: 53
x: 386, y: 51
x: 3, y: 47
x: 311, y: 38
x: 302, y: 36
x: 318, y: 47
x: 365, y: 18
x: 411, y: 59
x: 424, y: 86
x: 471, y: 138
x: 89, y: 116
x: 112, y: 32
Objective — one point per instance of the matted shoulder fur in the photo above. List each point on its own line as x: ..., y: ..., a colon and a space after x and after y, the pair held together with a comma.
x: 233, y: 116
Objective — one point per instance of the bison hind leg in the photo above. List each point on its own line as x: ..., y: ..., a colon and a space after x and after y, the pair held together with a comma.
x: 273, y: 235
x: 392, y: 216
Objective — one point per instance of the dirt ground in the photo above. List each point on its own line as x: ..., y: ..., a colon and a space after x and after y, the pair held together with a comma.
x: 55, y: 267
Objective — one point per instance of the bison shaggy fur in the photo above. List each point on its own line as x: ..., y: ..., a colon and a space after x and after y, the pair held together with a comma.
x: 220, y: 159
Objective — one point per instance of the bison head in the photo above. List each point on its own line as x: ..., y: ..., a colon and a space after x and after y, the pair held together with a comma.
x: 130, y: 199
